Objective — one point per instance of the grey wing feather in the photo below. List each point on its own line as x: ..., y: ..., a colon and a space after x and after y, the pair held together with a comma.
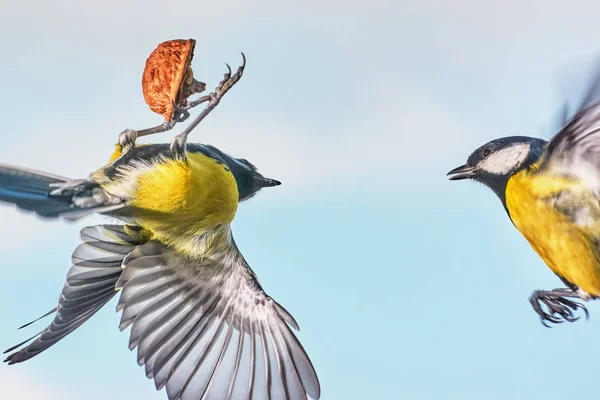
x: 206, y: 329
x: 89, y: 285
x: 577, y: 145
x: 35, y: 191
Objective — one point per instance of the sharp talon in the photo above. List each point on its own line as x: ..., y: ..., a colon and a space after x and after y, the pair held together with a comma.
x: 243, y: 60
x: 558, y: 307
x: 228, y: 74
x: 545, y: 324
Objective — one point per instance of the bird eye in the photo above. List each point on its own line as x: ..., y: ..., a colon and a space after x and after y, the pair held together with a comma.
x: 487, y: 151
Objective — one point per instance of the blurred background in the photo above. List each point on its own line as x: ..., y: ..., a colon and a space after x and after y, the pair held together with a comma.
x: 405, y: 285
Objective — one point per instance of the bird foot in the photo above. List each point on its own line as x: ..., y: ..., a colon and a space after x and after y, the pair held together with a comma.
x: 558, y: 308
x: 179, y: 143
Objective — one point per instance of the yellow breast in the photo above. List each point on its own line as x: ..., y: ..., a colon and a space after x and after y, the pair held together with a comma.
x: 566, y: 247
x: 179, y: 200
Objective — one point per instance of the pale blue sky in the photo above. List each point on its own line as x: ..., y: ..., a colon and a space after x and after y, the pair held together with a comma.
x: 405, y: 285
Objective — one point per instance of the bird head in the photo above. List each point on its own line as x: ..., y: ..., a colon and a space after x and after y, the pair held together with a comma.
x: 495, y: 162
x: 248, y: 179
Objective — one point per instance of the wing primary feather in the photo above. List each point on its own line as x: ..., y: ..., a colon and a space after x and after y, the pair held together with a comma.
x: 166, y: 297
x: 565, y: 114
x: 37, y: 319
x: 205, y: 352
x: 592, y: 91
x: 238, y: 356
x: 283, y: 347
x: 67, y: 310
x: 197, y: 331
x: 166, y: 354
x: 285, y: 315
x: 157, y: 297
x: 21, y: 344
x: 252, y: 361
x: 304, y: 366
x: 267, y: 360
x: 165, y: 335
x: 280, y: 362
x: 220, y: 359
x: 207, y: 322
x: 142, y: 285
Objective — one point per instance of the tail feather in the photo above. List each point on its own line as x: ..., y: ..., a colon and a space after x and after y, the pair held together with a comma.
x: 27, y: 180
x: 35, y: 191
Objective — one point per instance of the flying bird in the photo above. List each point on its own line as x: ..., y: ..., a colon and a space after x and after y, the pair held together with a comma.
x: 551, y: 192
x: 202, y: 324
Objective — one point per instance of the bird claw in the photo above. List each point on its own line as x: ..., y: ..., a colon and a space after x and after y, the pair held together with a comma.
x: 228, y: 73
x: 178, y: 146
x: 229, y: 80
x: 181, y: 114
x: 127, y: 138
x: 559, y: 309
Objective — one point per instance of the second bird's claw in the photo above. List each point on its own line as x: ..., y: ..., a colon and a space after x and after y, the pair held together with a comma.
x: 574, y: 305
x: 559, y: 308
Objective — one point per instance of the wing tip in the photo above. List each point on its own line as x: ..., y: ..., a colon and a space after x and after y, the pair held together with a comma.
x: 286, y: 316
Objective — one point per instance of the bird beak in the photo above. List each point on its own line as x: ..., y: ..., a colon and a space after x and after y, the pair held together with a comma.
x: 462, y: 172
x: 261, y: 182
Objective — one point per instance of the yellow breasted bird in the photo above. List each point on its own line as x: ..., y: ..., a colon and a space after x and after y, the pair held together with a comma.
x: 551, y: 192
x: 202, y: 324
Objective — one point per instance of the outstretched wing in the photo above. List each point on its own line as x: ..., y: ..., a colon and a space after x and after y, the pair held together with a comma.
x: 206, y: 329
x: 575, y: 150
x: 90, y: 284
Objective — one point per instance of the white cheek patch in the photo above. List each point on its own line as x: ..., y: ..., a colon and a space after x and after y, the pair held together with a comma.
x: 503, y: 161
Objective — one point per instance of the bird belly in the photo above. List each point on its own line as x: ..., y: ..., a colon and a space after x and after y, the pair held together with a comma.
x: 567, y: 248
x: 178, y: 201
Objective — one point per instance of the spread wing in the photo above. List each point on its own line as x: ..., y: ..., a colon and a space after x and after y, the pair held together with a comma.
x: 90, y: 285
x: 206, y: 329
x: 575, y: 150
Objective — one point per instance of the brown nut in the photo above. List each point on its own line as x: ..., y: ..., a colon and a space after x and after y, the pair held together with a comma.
x: 168, y: 79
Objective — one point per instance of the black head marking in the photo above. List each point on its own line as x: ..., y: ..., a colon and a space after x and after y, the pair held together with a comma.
x: 248, y: 179
x: 495, y: 162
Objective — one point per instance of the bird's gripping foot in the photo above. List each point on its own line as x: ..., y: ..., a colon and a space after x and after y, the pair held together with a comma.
x: 179, y: 143
x: 558, y: 308
x: 128, y: 137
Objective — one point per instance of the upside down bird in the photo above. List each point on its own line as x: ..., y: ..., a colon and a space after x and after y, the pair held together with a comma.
x: 551, y: 192
x: 200, y: 320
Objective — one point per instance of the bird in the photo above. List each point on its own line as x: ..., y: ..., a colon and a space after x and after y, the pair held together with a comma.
x: 551, y: 193
x: 200, y: 320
